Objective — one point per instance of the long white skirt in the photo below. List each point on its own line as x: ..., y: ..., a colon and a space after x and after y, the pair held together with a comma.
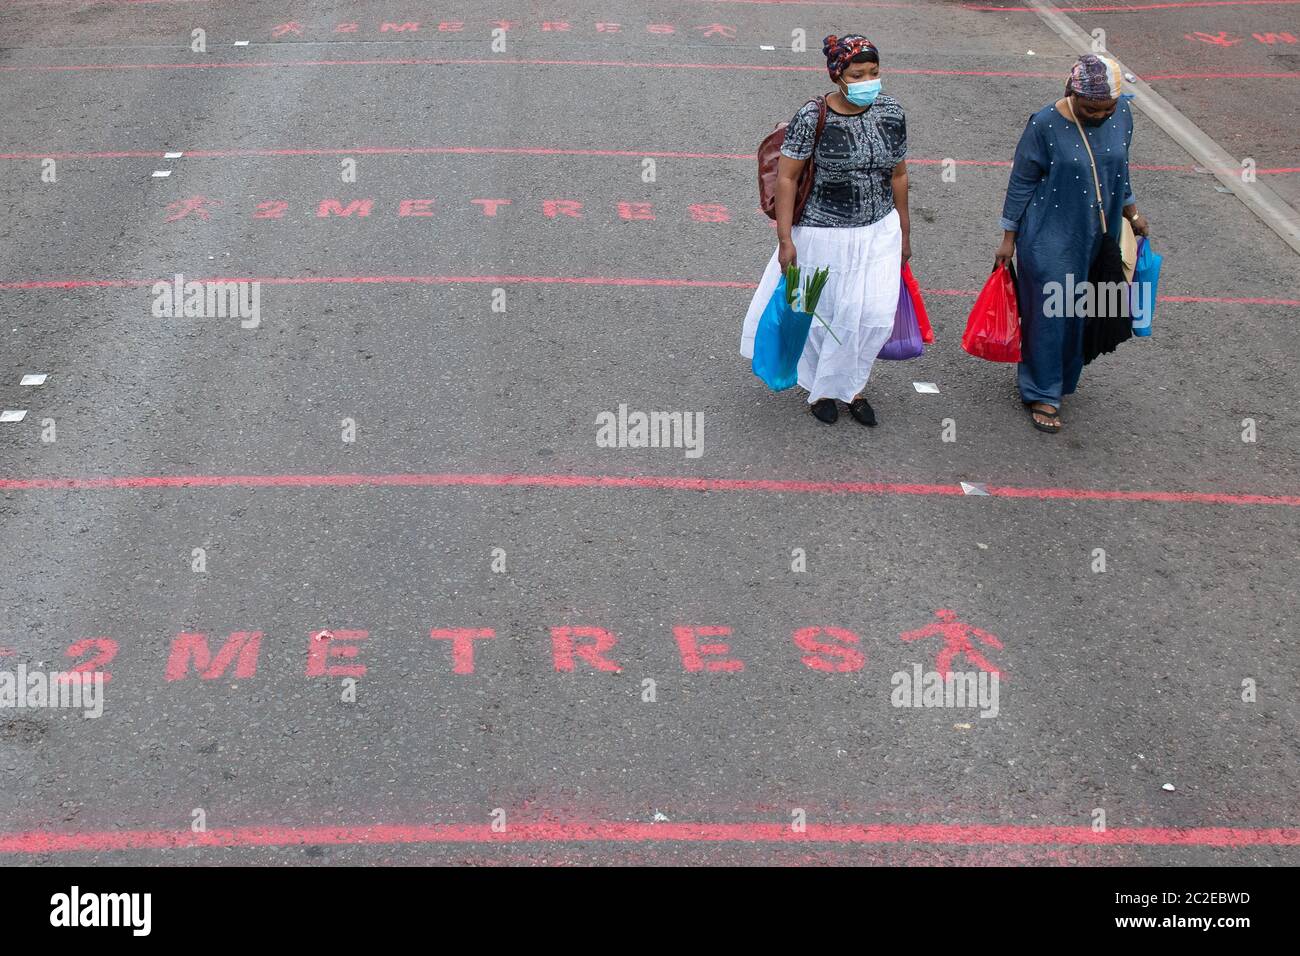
x: 859, y: 301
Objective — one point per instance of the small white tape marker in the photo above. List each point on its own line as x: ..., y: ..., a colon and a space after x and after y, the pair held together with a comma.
x: 11, y: 415
x: 974, y: 488
x: 767, y: 48
x: 241, y: 43
x: 161, y: 173
x: 926, y: 388
x: 172, y: 155
x: 33, y: 378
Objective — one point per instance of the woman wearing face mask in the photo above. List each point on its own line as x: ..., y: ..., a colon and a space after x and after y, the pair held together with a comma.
x: 1050, y: 221
x: 855, y: 223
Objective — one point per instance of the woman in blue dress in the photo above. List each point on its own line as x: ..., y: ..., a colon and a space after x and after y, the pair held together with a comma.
x: 1050, y: 222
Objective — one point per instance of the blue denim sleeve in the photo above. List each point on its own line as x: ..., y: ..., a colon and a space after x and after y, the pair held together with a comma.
x: 1027, y: 170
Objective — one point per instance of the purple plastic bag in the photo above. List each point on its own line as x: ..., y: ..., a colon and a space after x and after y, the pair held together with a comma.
x: 905, y: 343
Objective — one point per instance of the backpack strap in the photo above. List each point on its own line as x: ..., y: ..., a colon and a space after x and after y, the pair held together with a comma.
x: 1096, y: 182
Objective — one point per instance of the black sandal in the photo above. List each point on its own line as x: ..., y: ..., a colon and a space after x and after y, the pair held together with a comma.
x: 825, y: 411
x: 1053, y: 423
x: 862, y: 411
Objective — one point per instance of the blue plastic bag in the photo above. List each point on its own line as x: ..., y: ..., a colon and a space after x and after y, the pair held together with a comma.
x: 1142, y: 293
x: 905, y: 342
x: 779, y: 341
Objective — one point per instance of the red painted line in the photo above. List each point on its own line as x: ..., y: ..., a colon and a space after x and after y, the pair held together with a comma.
x: 862, y: 4
x: 619, y: 64
x: 865, y: 4
x: 1139, y: 7
x: 1156, y: 77
x: 1107, y: 8
x: 626, y: 281
x: 47, y: 841
x: 392, y: 151
x: 491, y: 61
x: 852, y: 4
x: 1228, y: 301
x: 389, y: 280
x: 87, y: 3
x: 642, y: 482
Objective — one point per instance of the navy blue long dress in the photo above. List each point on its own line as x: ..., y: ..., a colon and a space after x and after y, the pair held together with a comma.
x: 1051, y: 205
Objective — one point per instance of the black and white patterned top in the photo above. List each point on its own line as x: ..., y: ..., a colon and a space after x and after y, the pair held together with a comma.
x: 855, y: 160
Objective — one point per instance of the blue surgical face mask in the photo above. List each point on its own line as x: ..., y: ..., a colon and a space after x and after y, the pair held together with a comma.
x: 862, y: 94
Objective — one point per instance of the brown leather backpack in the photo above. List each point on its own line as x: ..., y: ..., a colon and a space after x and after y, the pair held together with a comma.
x: 769, y: 156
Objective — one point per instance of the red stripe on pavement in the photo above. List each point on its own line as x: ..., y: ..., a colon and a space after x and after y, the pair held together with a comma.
x: 1229, y: 301
x: 1156, y: 77
x: 493, y: 61
x: 658, y: 482
x: 865, y: 4
x: 862, y: 4
x: 490, y: 61
x: 391, y: 280
x: 1106, y: 8
x: 1138, y: 7
x: 398, y: 151
x: 86, y: 3
x: 620, y: 64
x: 46, y: 841
x: 634, y: 281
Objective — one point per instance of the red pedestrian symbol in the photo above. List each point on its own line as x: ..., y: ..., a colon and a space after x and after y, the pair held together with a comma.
x: 281, y: 29
x: 956, y: 640
x: 1221, y: 39
x: 718, y: 29
x: 195, y: 205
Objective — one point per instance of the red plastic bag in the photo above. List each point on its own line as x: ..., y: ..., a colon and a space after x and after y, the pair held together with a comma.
x: 914, y: 290
x: 993, y: 329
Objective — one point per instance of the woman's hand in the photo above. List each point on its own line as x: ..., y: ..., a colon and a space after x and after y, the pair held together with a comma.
x: 1140, y: 226
x: 907, y: 248
x: 1006, y: 250
x: 785, y: 254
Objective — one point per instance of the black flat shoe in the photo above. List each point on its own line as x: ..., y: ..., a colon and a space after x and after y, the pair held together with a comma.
x: 861, y: 410
x: 1053, y: 423
x: 826, y: 411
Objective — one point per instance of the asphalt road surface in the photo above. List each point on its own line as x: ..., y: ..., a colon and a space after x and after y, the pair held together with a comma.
x: 327, y: 556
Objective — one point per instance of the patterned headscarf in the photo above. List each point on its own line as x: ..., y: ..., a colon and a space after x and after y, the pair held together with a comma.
x: 840, y: 50
x: 1095, y: 78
